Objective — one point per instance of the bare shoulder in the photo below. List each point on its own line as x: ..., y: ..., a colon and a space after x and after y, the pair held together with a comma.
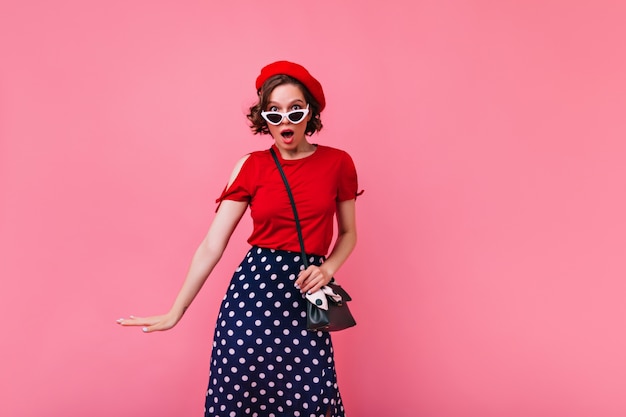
x: 237, y: 169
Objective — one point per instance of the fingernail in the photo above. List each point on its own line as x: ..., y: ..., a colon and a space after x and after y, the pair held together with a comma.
x: 308, y: 292
x: 297, y: 286
x: 145, y: 329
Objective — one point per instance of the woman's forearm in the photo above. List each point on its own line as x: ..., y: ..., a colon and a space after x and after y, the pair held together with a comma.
x: 208, y: 254
x: 346, y: 239
x: 202, y: 263
x: 204, y: 260
x: 344, y: 246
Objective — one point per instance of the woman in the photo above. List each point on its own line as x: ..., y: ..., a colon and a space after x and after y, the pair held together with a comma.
x: 264, y: 362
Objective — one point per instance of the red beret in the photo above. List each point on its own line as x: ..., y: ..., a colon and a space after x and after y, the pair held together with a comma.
x: 296, y: 71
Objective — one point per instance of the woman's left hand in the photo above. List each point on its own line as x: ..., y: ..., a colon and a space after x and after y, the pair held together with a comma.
x: 312, y: 279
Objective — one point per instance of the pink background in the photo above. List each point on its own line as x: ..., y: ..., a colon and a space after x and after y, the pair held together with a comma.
x: 490, y: 140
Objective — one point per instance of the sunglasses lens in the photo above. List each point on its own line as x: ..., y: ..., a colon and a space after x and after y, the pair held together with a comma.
x: 274, y: 117
x: 296, y: 116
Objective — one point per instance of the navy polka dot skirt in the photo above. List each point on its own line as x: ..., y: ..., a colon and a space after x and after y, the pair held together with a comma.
x: 264, y: 362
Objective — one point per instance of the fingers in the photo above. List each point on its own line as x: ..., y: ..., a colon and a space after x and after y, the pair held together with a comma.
x: 315, y: 287
x: 134, y: 321
x: 148, y: 324
x: 312, y: 279
x: 302, y: 277
x: 153, y: 328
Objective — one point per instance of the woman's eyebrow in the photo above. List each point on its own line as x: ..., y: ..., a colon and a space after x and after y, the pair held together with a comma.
x: 298, y: 101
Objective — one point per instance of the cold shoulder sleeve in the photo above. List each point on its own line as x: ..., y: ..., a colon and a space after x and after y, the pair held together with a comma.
x: 240, y: 189
x: 348, y: 185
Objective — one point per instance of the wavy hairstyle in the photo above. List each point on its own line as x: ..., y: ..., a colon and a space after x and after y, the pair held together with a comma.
x: 258, y: 123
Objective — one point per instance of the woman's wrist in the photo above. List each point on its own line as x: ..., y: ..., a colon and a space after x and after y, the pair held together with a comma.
x: 177, y: 313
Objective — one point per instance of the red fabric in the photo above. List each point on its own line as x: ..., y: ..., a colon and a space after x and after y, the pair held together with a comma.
x: 317, y: 182
x: 296, y: 71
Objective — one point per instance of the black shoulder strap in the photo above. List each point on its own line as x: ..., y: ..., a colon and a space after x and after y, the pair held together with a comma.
x: 293, y: 206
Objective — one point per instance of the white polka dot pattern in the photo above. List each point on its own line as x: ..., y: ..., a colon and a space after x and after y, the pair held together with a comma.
x: 264, y: 362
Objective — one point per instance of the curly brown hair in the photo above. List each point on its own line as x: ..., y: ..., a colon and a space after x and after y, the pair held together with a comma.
x: 258, y: 123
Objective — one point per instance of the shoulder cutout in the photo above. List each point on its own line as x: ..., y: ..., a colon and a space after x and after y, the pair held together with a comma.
x: 237, y: 169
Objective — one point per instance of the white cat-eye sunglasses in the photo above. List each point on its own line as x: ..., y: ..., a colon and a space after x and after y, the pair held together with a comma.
x: 295, y: 116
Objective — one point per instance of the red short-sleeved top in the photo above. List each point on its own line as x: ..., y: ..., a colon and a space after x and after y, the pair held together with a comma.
x: 318, y: 182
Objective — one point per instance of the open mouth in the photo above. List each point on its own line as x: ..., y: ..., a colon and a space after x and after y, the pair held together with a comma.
x: 287, y: 134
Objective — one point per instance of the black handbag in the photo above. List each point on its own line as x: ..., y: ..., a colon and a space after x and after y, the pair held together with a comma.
x: 327, y: 309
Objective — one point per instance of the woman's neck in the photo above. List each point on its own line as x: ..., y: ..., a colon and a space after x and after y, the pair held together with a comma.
x: 302, y: 151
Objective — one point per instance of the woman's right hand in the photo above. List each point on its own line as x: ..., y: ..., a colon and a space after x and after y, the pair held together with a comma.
x: 152, y: 323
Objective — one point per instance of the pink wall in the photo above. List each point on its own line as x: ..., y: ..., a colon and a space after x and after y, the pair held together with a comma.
x: 489, y: 136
